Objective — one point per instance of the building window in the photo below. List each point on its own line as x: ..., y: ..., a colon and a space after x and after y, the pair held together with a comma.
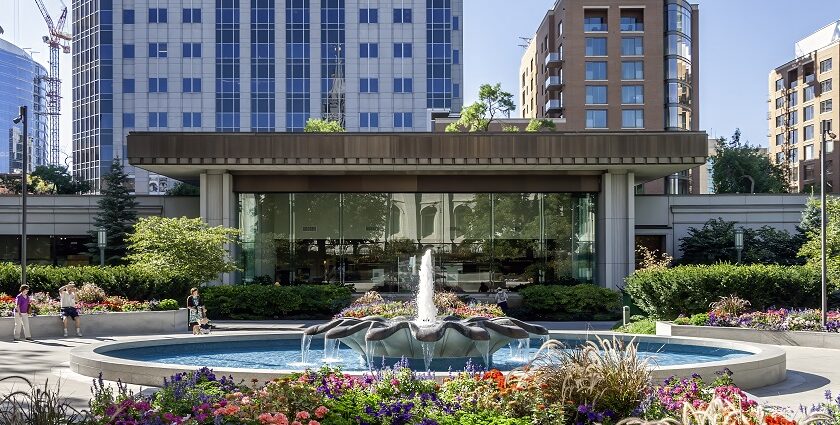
x: 596, y: 46
x: 456, y: 23
x: 596, y: 95
x: 596, y: 70
x: 632, y: 118
x: 596, y: 118
x: 594, y: 20
x: 191, y: 16
x: 808, y: 94
x: 780, y: 139
x: 794, y: 137
x: 402, y: 16
x: 780, y: 102
x: 157, y: 16
x: 128, y: 120
x: 780, y: 84
x: 632, y: 20
x: 158, y: 85
x: 793, y: 155
x: 808, y: 113
x: 368, y: 16
x: 128, y: 51
x: 632, y: 46
x: 808, y: 152
x: 780, y: 157
x: 632, y: 70
x: 780, y: 120
x: 402, y: 50
x: 825, y: 86
x: 157, y: 50
x: 128, y: 16
x: 792, y: 99
x: 403, y: 120
x: 808, y: 133
x: 632, y: 95
x: 128, y: 85
x: 826, y: 106
x: 192, y: 85
x: 157, y: 119
x: 369, y: 120
x: 456, y: 56
x: 793, y: 118
x: 369, y: 85
x: 192, y: 50
x: 403, y: 85
x: 192, y: 119
x: 427, y: 221
x: 825, y: 65
x: 369, y: 50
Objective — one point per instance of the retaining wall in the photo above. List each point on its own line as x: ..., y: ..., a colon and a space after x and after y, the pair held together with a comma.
x: 794, y: 338
x: 104, y: 324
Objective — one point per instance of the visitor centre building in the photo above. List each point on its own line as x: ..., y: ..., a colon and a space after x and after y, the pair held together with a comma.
x: 498, y: 209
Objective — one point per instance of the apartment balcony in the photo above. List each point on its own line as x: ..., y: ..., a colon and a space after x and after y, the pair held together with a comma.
x: 553, y: 106
x: 553, y: 60
x: 554, y: 82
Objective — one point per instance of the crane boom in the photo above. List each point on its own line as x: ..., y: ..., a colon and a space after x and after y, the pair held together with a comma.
x: 57, y: 41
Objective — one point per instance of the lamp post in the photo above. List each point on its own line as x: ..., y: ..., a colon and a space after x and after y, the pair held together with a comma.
x: 827, y: 134
x: 23, y: 118
x: 739, y: 242
x: 101, y: 242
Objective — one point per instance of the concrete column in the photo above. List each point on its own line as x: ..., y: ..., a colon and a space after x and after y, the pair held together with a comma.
x: 616, y: 228
x: 218, y: 207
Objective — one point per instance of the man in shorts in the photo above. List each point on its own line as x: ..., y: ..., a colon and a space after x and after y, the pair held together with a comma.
x: 67, y: 295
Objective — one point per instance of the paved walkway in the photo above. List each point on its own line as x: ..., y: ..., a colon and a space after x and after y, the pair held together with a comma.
x: 811, y: 371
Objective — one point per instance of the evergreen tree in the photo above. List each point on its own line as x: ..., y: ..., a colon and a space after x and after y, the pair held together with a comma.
x: 117, y: 215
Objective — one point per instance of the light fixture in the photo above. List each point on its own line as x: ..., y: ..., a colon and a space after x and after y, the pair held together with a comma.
x: 18, y: 119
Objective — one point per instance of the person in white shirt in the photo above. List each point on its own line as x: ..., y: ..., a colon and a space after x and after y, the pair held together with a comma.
x: 67, y: 296
x: 502, y: 299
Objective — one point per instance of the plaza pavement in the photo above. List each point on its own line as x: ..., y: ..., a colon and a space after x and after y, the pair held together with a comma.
x: 811, y: 371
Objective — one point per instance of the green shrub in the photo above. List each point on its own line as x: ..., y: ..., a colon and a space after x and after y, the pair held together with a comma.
x: 642, y: 327
x: 699, y: 319
x: 256, y: 302
x: 167, y: 304
x: 669, y: 292
x: 682, y: 320
x: 579, y: 302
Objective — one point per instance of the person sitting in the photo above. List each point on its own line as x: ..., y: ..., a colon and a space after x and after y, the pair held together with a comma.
x: 197, y: 312
x: 483, y: 288
x: 67, y: 296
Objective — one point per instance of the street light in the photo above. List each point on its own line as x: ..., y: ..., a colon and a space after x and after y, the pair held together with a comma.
x: 739, y: 242
x: 827, y: 134
x: 23, y: 118
x: 101, y: 242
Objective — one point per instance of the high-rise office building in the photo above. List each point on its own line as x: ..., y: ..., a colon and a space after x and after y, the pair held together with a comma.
x: 21, y: 84
x: 257, y: 66
x: 616, y: 65
x: 801, y: 108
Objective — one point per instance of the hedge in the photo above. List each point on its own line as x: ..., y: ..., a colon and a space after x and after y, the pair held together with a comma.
x: 131, y: 282
x: 685, y: 290
x: 259, y: 302
x: 579, y: 302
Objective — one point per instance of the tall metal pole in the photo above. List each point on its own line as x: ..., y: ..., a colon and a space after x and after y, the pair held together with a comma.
x: 23, y: 191
x: 823, y: 223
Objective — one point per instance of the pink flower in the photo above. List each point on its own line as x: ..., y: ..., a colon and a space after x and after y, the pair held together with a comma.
x: 246, y: 400
x: 320, y: 412
x: 395, y: 382
x: 314, y: 422
x: 302, y: 415
x: 296, y: 423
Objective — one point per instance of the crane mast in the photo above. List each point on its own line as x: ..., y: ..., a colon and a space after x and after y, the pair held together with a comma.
x: 58, y: 42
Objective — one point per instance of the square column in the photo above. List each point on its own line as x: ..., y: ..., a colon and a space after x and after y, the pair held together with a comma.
x: 616, y: 229
x: 218, y: 208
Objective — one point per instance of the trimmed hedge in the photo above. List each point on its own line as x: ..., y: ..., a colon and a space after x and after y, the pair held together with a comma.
x: 669, y: 292
x: 259, y: 302
x: 579, y: 302
x: 129, y: 282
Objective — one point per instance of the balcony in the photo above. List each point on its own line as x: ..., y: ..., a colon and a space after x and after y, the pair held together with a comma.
x: 553, y: 105
x: 553, y: 60
x: 554, y: 82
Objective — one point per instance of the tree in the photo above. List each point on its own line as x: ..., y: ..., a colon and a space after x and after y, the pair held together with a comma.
x: 117, y: 214
x: 811, y: 248
x: 543, y: 124
x: 63, y: 183
x: 736, y: 165
x: 315, y: 125
x: 715, y: 243
x: 183, y: 189
x: 187, y: 248
x: 492, y: 103
x: 35, y: 185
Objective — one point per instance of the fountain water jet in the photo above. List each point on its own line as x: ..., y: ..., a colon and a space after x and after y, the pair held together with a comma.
x: 426, y: 309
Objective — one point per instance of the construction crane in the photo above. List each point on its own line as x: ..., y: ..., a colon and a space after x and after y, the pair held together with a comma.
x: 58, y: 41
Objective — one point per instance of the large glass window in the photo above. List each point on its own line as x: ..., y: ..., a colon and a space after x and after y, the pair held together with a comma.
x: 596, y: 70
x: 596, y: 118
x: 633, y: 118
x: 632, y: 95
x: 375, y: 240
x: 596, y: 95
x: 596, y: 46
x: 632, y: 46
x: 632, y: 70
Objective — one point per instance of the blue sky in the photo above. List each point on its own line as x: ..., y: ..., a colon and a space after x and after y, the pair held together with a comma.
x: 741, y: 41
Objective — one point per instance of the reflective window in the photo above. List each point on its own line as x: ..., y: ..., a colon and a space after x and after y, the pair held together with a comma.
x: 808, y: 132
x: 369, y: 120
x: 596, y: 46
x: 826, y: 106
x: 369, y: 85
x: 596, y: 95
x: 402, y: 16
x: 191, y: 50
x: 780, y: 139
x: 595, y: 19
x: 157, y: 16
x: 403, y: 85
x: 128, y: 51
x: 632, y: 95
x: 128, y: 85
x: 632, y: 118
x: 128, y: 120
x: 632, y: 70
x: 825, y: 86
x: 679, y: 93
x: 780, y: 102
x: 808, y: 94
x: 369, y: 50
x: 780, y: 84
x: 596, y: 118
x: 678, y: 69
x: 192, y: 119
x: 128, y: 16
x: 403, y: 120
x: 632, y: 46
x: 157, y: 119
x: 157, y: 50
x: 808, y: 152
x: 368, y: 16
x: 596, y: 70
x: 632, y: 20
x: 402, y: 50
x: 679, y: 19
x: 825, y: 65
x: 679, y: 45
x: 808, y: 113
x: 191, y: 16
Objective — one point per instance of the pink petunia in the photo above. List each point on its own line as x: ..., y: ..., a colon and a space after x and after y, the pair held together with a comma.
x: 302, y: 415
x: 321, y: 411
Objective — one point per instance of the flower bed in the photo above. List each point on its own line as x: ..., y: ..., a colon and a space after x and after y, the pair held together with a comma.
x: 43, y: 305
x: 373, y: 304
x: 782, y: 319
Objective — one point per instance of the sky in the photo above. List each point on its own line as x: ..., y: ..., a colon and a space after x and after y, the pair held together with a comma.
x: 740, y: 42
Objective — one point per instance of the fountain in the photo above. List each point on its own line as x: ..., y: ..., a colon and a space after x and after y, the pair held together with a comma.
x: 426, y: 336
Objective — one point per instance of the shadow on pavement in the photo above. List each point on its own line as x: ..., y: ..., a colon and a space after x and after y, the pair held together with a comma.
x: 796, y: 382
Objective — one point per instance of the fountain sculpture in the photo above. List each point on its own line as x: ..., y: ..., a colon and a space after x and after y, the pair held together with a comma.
x: 426, y: 336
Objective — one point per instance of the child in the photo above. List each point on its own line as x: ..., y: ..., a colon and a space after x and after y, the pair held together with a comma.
x: 197, y: 313
x: 22, y: 314
x: 67, y: 293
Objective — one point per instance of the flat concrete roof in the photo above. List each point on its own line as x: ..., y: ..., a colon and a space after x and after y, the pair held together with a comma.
x: 650, y: 155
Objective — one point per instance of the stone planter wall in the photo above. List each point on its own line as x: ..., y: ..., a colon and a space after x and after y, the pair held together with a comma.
x: 794, y: 338
x: 104, y: 324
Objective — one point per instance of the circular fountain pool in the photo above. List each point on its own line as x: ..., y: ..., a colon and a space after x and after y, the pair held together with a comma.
x: 267, y: 355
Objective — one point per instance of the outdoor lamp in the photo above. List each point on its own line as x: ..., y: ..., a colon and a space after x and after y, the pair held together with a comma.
x: 739, y: 242
x: 101, y: 242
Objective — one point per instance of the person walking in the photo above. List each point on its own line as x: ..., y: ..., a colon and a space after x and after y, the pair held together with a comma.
x: 502, y: 299
x: 67, y: 295
x: 22, y: 311
x: 197, y: 312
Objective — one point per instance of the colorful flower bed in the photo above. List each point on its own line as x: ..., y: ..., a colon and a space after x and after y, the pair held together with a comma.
x: 732, y: 312
x: 91, y: 300
x: 373, y: 304
x: 561, y: 387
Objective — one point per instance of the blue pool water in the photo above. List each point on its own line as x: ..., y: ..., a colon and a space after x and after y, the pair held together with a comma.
x: 286, y: 355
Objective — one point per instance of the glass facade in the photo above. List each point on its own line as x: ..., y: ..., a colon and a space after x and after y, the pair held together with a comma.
x: 262, y: 66
x: 21, y: 84
x: 375, y: 240
x: 227, y: 65
x: 297, y: 64
x: 678, y: 106
x: 439, y: 53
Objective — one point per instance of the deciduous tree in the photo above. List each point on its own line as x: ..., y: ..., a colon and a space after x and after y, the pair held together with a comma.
x: 493, y: 103
x: 736, y: 165
x: 316, y: 125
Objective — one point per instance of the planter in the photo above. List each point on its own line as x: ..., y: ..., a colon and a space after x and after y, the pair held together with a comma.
x: 104, y: 324
x: 793, y: 338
